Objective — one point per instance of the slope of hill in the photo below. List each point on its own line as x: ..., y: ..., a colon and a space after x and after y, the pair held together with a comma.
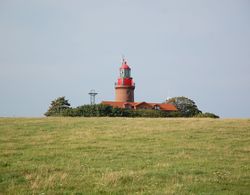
x: 124, y: 156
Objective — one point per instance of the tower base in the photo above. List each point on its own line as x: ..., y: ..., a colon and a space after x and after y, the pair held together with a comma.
x: 124, y: 93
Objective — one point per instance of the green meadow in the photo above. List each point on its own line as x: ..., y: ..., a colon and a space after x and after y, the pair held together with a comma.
x: 124, y: 156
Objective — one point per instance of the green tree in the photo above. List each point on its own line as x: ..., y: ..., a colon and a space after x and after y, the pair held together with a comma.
x: 58, y: 107
x: 185, y: 106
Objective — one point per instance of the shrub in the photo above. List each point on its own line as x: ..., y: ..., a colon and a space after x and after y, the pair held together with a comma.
x: 207, y: 115
x: 61, y: 107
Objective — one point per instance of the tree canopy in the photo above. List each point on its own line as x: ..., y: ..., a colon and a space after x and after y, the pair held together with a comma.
x: 58, y: 106
x: 185, y: 106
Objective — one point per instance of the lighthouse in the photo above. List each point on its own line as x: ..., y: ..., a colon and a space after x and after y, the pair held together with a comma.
x: 124, y: 94
x: 124, y: 87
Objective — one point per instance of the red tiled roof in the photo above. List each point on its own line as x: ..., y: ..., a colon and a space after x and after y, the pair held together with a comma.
x: 166, y: 107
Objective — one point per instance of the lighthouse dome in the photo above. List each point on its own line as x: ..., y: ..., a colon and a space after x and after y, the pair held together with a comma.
x: 125, y: 65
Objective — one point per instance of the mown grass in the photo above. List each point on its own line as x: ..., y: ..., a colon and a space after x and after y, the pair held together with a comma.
x: 124, y: 156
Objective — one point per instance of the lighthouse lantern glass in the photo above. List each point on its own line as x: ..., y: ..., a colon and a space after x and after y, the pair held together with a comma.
x: 125, y: 73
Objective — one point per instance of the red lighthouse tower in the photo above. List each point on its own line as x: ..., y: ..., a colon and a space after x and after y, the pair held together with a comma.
x: 124, y: 94
x: 124, y: 88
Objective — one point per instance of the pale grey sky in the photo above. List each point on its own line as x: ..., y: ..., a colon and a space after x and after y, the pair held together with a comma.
x: 194, y: 48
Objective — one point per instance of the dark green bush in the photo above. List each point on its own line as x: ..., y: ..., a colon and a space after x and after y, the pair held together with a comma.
x: 206, y: 115
x: 100, y: 110
x: 148, y: 113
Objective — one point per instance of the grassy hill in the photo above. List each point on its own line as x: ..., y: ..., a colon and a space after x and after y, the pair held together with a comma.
x: 124, y: 156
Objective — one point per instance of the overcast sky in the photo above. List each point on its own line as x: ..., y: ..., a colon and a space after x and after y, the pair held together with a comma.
x: 194, y: 48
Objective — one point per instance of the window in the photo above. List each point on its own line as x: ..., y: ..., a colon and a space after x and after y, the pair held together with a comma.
x: 127, y: 106
x: 122, y: 73
x: 157, y: 107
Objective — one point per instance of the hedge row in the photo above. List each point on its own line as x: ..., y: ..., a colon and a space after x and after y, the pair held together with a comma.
x: 100, y: 110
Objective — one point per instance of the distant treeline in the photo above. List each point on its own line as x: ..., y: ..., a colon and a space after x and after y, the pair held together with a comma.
x: 100, y: 110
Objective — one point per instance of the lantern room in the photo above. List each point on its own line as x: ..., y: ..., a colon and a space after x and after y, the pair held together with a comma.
x: 125, y: 70
x: 124, y: 88
x: 125, y: 75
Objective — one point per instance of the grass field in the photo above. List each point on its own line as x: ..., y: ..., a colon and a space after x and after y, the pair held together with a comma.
x: 124, y: 156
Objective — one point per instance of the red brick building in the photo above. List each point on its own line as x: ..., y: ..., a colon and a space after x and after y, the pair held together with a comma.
x: 124, y: 94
